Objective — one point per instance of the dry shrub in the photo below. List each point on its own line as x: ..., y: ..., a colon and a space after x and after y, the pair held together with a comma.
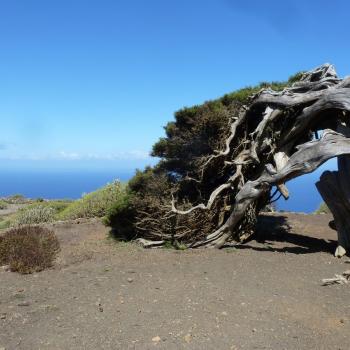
x: 33, y: 215
x: 3, y: 204
x: 28, y: 249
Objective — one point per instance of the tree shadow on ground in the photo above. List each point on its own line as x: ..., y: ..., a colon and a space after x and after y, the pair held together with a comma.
x: 273, y: 231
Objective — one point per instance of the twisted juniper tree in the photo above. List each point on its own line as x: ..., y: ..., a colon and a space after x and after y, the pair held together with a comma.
x: 222, y: 162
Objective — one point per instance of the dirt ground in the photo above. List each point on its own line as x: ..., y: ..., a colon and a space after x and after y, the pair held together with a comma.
x: 265, y: 294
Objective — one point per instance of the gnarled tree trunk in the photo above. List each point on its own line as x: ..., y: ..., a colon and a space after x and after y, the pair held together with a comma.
x: 271, y: 140
x: 334, y: 187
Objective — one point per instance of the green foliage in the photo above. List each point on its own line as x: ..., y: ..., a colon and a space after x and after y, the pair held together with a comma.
x: 146, y: 191
x: 94, y: 204
x: 120, y: 216
x: 194, y: 134
x: 242, y: 95
x: 3, y: 204
x: 28, y: 249
x: 195, y: 131
x: 57, y: 205
x: 323, y: 209
x: 149, y: 182
x: 295, y: 77
x: 174, y: 245
x: 141, y: 181
x: 4, y: 223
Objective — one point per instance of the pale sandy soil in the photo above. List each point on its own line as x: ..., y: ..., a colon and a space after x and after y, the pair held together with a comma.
x: 266, y: 294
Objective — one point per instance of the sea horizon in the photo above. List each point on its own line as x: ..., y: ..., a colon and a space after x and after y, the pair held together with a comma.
x: 57, y: 184
x: 73, y: 183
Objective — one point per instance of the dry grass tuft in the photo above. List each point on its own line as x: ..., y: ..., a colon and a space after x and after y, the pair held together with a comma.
x: 28, y: 249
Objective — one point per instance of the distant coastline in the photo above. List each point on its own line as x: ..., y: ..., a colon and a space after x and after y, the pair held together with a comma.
x: 57, y: 185
x: 71, y: 184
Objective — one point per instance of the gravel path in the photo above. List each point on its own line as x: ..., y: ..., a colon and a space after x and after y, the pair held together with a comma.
x: 266, y: 294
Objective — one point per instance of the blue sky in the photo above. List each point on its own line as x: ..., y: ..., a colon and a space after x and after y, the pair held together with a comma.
x: 91, y: 83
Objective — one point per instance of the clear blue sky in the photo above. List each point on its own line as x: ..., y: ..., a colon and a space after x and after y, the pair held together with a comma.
x: 91, y: 83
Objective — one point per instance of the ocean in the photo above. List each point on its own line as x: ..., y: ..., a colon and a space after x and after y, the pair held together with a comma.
x: 72, y: 184
x: 56, y: 185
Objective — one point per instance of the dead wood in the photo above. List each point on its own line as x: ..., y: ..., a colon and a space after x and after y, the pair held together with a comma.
x: 269, y: 141
x: 334, y: 187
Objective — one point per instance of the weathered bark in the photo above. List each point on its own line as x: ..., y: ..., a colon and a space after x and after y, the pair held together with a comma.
x: 344, y: 278
x: 334, y: 187
x: 308, y: 158
x: 271, y: 141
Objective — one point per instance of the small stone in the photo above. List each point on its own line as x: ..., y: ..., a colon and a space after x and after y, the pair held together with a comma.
x: 254, y: 330
x: 23, y: 303
x: 342, y: 320
x: 130, y: 280
x: 339, y: 252
x: 188, y: 338
x: 5, y: 268
x: 154, y: 339
x: 224, y: 313
x: 3, y: 316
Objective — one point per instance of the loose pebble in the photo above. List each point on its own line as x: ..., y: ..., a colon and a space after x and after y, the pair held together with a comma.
x: 23, y: 303
x: 188, y: 338
x: 154, y: 339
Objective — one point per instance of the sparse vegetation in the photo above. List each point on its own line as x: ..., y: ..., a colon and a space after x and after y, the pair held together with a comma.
x: 120, y: 215
x: 322, y: 209
x: 28, y: 249
x: 4, y: 223
x: 16, y: 199
x: 57, y: 205
x: 174, y: 245
x: 94, y: 204
x: 3, y: 204
x: 32, y: 215
x: 34, y: 212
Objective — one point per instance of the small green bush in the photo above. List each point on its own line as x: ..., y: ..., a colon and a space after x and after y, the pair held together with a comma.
x: 57, y: 205
x: 94, y: 204
x: 28, y: 249
x: 3, y: 204
x: 120, y: 216
x: 32, y: 215
x: 323, y: 209
x: 175, y: 245
x: 16, y: 199
x: 4, y: 223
